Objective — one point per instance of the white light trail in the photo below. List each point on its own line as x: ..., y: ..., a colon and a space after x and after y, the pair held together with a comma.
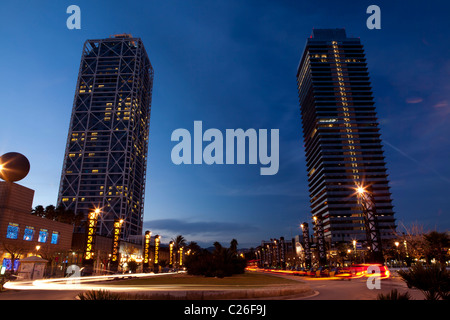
x: 84, y: 283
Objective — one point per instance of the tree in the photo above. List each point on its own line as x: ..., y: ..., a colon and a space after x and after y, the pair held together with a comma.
x: 412, y: 235
x: 233, y: 246
x: 435, y: 245
x: 222, y: 262
x: 132, y: 266
x: 60, y: 214
x: 14, y: 251
x: 178, y: 242
x: 194, y: 247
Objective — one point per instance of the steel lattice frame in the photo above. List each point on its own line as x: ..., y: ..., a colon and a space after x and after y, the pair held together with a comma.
x: 146, y: 253
x: 106, y: 154
x: 90, y: 238
x: 115, y: 253
x: 367, y: 203
x: 320, y: 241
x: 306, y: 244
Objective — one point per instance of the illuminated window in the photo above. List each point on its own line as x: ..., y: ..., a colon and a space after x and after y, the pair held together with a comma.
x: 95, y: 171
x: 12, y: 232
x: 28, y: 233
x: 65, y: 199
x: 55, y: 237
x: 43, y: 235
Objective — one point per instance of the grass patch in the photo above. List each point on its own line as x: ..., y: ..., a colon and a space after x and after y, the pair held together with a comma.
x: 246, y: 279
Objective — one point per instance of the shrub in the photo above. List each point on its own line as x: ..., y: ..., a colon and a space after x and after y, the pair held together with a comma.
x: 394, y: 295
x: 108, y: 295
x: 100, y: 295
x: 432, y: 280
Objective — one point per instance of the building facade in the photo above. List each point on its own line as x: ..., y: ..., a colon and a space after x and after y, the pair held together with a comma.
x: 341, y: 136
x: 23, y: 234
x: 106, y: 153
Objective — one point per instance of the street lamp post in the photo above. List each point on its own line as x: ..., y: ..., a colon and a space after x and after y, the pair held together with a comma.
x: 306, y: 244
x: 320, y: 241
x: 367, y: 203
x: 398, y: 255
x: 146, y: 257
x: 88, y: 257
x: 114, y: 264
x: 171, y: 254
x: 156, y: 260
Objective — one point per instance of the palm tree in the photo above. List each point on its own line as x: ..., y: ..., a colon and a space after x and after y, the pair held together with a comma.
x: 178, y: 242
x: 38, y: 211
x: 194, y: 247
x: 433, y: 280
x: 233, y: 247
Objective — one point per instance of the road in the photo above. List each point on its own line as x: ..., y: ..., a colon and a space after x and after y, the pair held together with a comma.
x: 355, y: 289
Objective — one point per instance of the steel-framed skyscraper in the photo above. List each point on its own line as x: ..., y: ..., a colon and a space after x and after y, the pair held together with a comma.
x: 341, y: 136
x: 106, y: 154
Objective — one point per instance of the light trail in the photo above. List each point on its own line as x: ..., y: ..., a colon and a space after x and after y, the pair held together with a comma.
x: 84, y: 283
x: 352, y: 273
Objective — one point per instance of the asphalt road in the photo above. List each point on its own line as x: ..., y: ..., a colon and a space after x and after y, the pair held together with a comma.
x: 355, y: 289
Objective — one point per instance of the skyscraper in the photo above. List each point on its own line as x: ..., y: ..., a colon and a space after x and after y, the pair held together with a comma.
x: 341, y: 136
x: 106, y: 154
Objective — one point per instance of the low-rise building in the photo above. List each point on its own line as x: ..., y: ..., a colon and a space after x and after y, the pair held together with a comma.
x: 23, y: 234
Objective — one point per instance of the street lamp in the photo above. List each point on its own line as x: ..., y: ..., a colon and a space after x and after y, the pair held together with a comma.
x: 90, y: 235
x: 398, y: 255
x: 306, y: 244
x: 367, y: 203
x: 320, y: 241
x: 147, y: 238
x: 116, y: 245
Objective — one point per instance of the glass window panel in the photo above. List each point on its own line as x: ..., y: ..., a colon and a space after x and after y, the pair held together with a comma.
x: 12, y: 231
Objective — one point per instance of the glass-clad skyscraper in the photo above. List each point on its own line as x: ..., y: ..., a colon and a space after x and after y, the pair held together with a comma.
x: 341, y: 136
x: 106, y: 154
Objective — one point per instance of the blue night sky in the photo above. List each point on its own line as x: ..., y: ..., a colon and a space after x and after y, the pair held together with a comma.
x: 232, y: 64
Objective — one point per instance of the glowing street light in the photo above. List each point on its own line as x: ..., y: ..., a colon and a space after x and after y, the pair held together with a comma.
x: 360, y: 190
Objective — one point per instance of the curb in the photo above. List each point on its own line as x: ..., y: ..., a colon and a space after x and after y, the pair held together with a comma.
x: 229, y: 294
